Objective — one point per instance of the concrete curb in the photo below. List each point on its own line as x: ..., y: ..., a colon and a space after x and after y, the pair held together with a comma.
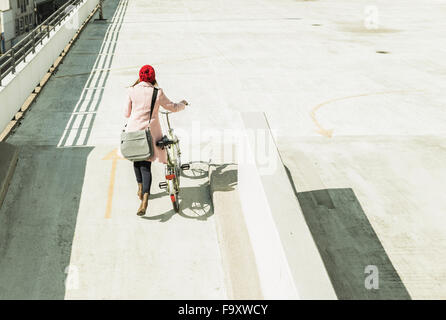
x: 8, y: 162
x: 289, y: 263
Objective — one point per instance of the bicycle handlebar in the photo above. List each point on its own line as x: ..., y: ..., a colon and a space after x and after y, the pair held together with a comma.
x: 169, y: 112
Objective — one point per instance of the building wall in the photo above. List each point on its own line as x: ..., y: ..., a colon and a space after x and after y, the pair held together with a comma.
x: 7, y: 31
x: 4, y: 5
x: 23, y: 16
x: 17, y: 18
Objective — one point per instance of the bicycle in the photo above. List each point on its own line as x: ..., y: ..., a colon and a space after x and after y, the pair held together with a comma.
x: 173, y: 166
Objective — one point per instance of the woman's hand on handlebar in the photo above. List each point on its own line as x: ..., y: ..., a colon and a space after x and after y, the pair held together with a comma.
x: 184, y: 102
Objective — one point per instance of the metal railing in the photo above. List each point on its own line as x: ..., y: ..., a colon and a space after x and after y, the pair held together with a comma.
x: 19, y: 52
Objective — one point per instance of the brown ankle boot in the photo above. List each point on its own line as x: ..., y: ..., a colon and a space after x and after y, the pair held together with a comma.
x: 139, y: 191
x: 143, y: 207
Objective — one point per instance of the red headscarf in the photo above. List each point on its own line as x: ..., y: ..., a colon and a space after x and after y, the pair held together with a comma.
x: 147, y: 74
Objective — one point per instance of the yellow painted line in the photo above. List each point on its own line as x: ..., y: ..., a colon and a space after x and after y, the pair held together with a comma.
x: 329, y: 132
x: 113, y: 155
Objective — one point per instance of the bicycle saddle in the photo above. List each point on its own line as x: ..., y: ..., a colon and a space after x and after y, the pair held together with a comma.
x: 164, y: 142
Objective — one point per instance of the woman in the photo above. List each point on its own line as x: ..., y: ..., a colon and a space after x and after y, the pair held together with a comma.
x: 137, y: 110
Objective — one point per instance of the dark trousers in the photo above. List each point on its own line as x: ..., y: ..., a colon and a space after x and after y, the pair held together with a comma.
x: 143, y: 174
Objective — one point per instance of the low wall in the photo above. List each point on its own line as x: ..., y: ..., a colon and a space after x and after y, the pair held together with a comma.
x: 288, y: 261
x: 17, y: 87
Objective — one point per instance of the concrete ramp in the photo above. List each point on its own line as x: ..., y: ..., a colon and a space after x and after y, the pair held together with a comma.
x: 69, y: 230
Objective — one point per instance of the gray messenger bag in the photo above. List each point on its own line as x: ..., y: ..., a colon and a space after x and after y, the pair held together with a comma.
x: 137, y: 145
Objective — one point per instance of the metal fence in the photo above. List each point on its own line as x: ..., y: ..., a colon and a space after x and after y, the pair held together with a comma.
x: 19, y: 52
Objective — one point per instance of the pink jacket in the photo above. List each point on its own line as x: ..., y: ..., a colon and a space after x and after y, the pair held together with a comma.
x: 137, y: 110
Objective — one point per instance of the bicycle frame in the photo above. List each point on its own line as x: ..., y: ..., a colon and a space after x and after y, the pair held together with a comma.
x: 173, y: 166
x: 172, y: 159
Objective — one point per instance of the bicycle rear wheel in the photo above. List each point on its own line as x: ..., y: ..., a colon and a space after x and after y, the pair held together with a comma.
x: 176, y: 203
x: 174, y: 195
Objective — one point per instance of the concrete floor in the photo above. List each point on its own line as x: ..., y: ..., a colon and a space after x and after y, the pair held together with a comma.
x: 343, y: 116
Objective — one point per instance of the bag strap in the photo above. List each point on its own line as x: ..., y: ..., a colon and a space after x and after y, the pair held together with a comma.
x: 155, y: 92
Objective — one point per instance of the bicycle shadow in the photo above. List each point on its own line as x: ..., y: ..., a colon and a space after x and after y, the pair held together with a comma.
x: 195, y: 203
x: 195, y: 172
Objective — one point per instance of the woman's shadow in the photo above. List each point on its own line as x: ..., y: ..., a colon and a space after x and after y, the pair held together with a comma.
x: 161, y: 217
